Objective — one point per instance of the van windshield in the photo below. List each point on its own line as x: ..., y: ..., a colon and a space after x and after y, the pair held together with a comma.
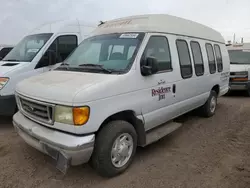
x: 28, y: 47
x: 239, y: 56
x: 109, y: 53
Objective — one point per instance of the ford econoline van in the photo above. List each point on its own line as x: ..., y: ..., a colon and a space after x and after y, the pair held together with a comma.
x: 40, y: 51
x: 121, y: 88
x: 239, y: 55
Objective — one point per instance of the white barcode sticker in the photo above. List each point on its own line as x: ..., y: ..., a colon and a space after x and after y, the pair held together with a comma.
x: 129, y: 35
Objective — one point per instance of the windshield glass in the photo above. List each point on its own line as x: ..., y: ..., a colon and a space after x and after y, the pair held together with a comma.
x: 28, y: 47
x: 239, y: 56
x: 103, y: 53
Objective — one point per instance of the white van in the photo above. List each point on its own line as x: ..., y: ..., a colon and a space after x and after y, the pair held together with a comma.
x: 4, y: 50
x: 122, y: 88
x: 39, y: 52
x: 239, y: 67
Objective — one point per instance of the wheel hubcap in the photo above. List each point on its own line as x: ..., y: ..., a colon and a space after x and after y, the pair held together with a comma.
x: 122, y: 150
x: 213, y: 104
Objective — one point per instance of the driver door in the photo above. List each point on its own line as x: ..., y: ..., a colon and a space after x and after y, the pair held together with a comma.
x: 159, y: 94
x: 57, y: 52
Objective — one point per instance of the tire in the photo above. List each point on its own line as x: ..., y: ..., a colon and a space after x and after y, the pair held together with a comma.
x: 207, y: 110
x: 248, y: 92
x: 101, y: 159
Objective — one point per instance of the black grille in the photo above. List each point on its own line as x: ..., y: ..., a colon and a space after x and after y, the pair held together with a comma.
x: 38, y: 111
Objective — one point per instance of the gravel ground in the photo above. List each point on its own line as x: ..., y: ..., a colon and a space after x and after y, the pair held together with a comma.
x: 213, y: 152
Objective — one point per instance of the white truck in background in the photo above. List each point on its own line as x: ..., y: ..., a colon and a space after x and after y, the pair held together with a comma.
x: 239, y: 67
x: 40, y: 51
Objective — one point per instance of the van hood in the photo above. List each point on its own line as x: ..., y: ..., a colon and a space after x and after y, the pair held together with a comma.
x: 59, y: 87
x: 8, y: 66
x: 239, y: 67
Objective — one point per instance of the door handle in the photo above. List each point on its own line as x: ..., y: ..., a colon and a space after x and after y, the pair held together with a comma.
x: 174, y: 88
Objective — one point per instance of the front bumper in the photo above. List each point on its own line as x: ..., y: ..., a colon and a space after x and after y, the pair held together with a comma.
x: 66, y: 149
x: 7, y: 105
x: 239, y: 85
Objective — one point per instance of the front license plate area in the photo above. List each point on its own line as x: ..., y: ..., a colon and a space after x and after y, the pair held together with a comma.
x: 62, y: 161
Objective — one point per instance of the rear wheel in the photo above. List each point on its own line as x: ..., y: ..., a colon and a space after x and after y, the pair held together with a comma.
x: 209, y: 108
x: 114, y: 148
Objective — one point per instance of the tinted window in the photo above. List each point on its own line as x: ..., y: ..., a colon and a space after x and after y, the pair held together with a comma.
x: 4, y: 52
x: 211, y: 58
x: 184, y: 59
x: 218, y: 57
x: 239, y: 56
x: 66, y: 44
x: 61, y: 47
x: 158, y: 47
x: 197, y: 57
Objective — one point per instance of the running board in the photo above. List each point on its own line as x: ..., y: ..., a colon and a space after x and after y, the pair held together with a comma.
x: 161, y: 131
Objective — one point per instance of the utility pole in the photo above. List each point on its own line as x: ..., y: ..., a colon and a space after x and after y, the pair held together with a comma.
x: 234, y: 39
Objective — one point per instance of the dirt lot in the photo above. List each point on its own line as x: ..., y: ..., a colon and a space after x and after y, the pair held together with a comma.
x: 212, y: 152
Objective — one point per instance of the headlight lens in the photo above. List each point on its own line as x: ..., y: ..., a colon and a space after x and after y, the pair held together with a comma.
x: 3, y: 82
x: 77, y: 116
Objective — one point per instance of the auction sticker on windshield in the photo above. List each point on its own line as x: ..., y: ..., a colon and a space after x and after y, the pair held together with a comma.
x: 129, y: 35
x: 33, y: 50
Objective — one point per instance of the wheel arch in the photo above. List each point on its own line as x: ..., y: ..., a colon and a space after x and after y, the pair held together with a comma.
x: 129, y: 116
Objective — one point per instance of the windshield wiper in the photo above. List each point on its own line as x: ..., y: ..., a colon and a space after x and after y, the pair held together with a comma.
x: 11, y: 60
x: 100, y: 67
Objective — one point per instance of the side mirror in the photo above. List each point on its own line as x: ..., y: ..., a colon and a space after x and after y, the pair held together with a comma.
x: 149, y: 66
x: 51, y: 55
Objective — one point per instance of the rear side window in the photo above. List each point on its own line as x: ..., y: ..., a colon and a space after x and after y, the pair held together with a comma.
x: 211, y: 58
x: 184, y: 59
x: 198, y: 59
x: 218, y: 57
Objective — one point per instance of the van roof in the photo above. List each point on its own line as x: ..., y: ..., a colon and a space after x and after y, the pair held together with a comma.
x: 6, y: 46
x: 159, y: 23
x: 61, y: 26
x: 239, y: 46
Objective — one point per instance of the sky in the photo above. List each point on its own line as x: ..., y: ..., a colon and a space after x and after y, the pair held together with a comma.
x: 19, y: 17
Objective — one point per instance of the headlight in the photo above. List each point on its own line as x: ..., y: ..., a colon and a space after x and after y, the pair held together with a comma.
x: 72, y: 115
x: 3, y: 82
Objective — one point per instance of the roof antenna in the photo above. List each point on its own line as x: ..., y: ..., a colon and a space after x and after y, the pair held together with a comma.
x: 101, y: 22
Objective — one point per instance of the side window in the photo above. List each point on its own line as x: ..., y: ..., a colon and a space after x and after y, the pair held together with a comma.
x: 66, y: 44
x: 211, y: 58
x: 197, y: 57
x: 218, y: 57
x: 184, y: 59
x: 61, y: 47
x: 158, y: 47
x: 4, y: 52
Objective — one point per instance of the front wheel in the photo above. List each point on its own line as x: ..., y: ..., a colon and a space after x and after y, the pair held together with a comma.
x: 208, y: 109
x: 115, y: 147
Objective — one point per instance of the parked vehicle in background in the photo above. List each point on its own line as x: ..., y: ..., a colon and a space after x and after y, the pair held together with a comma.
x: 239, y: 67
x: 122, y: 88
x: 4, y: 50
x: 40, y: 51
